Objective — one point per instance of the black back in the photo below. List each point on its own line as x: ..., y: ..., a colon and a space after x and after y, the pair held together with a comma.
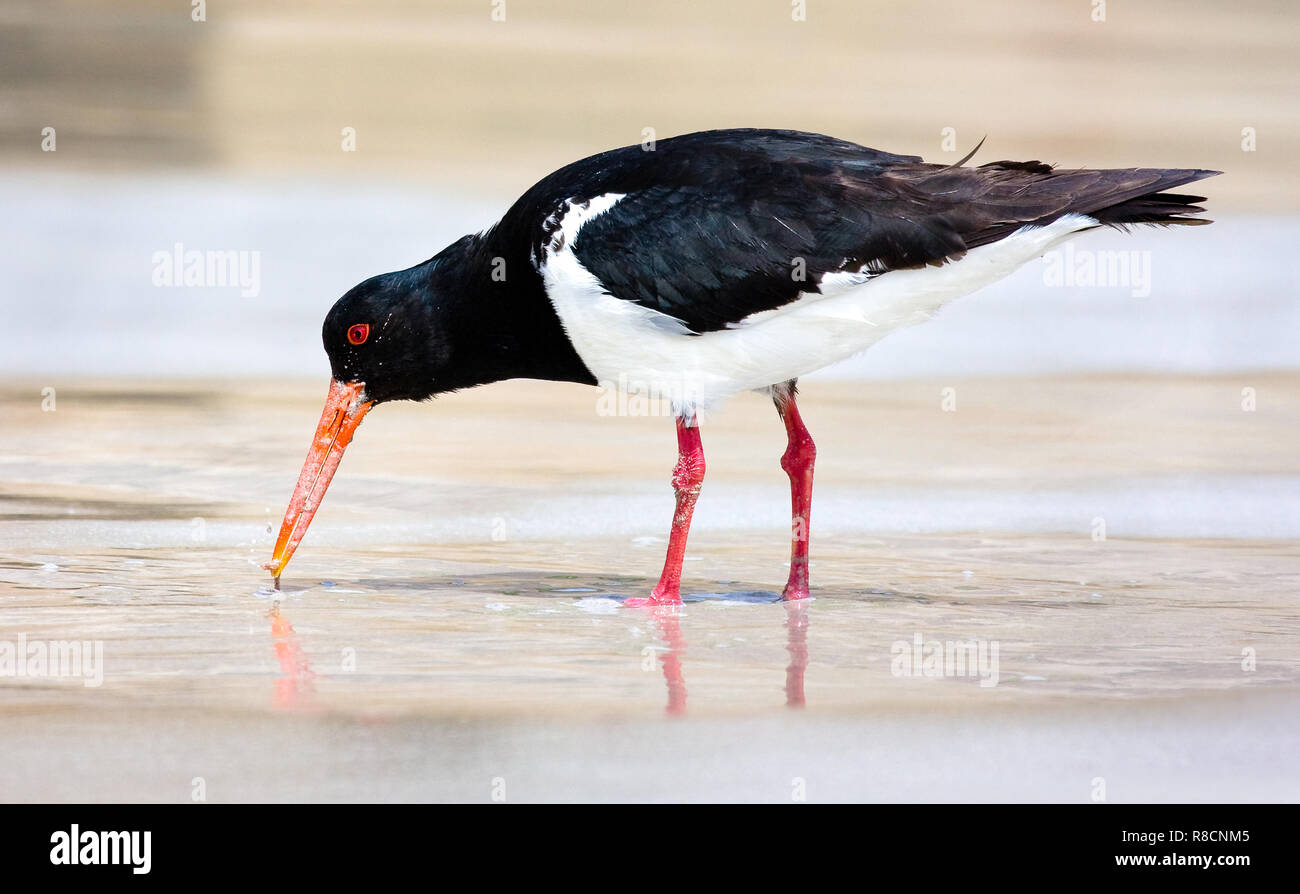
x: 718, y: 225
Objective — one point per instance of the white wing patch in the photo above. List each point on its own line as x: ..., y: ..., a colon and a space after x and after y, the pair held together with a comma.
x: 637, y: 349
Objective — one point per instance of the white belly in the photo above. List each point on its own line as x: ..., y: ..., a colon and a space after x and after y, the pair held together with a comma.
x: 637, y: 349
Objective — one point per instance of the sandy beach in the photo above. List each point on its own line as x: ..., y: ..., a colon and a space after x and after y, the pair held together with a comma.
x: 448, y: 595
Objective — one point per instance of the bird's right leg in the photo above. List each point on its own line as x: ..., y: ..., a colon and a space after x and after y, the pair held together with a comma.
x: 688, y: 475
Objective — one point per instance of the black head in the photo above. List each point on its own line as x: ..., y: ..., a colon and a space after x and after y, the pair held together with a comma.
x: 387, y: 339
x: 445, y: 324
x: 388, y: 333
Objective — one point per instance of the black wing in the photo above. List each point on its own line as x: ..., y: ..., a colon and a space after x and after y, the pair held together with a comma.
x: 720, y: 225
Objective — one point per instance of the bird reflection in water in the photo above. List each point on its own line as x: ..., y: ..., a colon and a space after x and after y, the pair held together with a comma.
x: 295, y: 688
x: 667, y: 618
x: 796, y: 643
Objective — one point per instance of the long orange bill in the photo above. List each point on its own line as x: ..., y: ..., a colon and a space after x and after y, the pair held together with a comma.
x: 345, y: 407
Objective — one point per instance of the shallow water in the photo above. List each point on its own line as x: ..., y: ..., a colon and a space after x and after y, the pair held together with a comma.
x: 454, y: 616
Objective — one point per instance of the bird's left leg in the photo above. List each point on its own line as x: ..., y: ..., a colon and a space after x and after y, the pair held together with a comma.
x: 688, y: 475
x: 800, y: 454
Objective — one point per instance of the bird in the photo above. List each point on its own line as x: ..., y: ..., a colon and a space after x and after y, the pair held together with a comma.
x: 700, y: 266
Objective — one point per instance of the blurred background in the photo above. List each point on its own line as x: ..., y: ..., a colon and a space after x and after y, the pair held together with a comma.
x: 228, y: 134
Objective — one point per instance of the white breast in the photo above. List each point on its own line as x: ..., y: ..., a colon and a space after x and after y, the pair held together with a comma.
x: 640, y: 350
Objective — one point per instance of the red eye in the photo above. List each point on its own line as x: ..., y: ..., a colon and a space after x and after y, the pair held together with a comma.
x: 359, y: 333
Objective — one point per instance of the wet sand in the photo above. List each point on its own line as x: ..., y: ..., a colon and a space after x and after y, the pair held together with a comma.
x: 453, y: 617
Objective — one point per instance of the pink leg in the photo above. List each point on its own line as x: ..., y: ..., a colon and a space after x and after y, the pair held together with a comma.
x: 688, y: 474
x: 800, y: 454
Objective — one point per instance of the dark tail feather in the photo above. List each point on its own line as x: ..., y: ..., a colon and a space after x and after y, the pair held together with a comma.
x: 1157, y: 207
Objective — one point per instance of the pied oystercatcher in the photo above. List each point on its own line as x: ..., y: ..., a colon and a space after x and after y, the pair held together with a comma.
x: 712, y: 263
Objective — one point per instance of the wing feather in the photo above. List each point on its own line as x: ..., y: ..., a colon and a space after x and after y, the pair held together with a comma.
x: 716, y: 226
